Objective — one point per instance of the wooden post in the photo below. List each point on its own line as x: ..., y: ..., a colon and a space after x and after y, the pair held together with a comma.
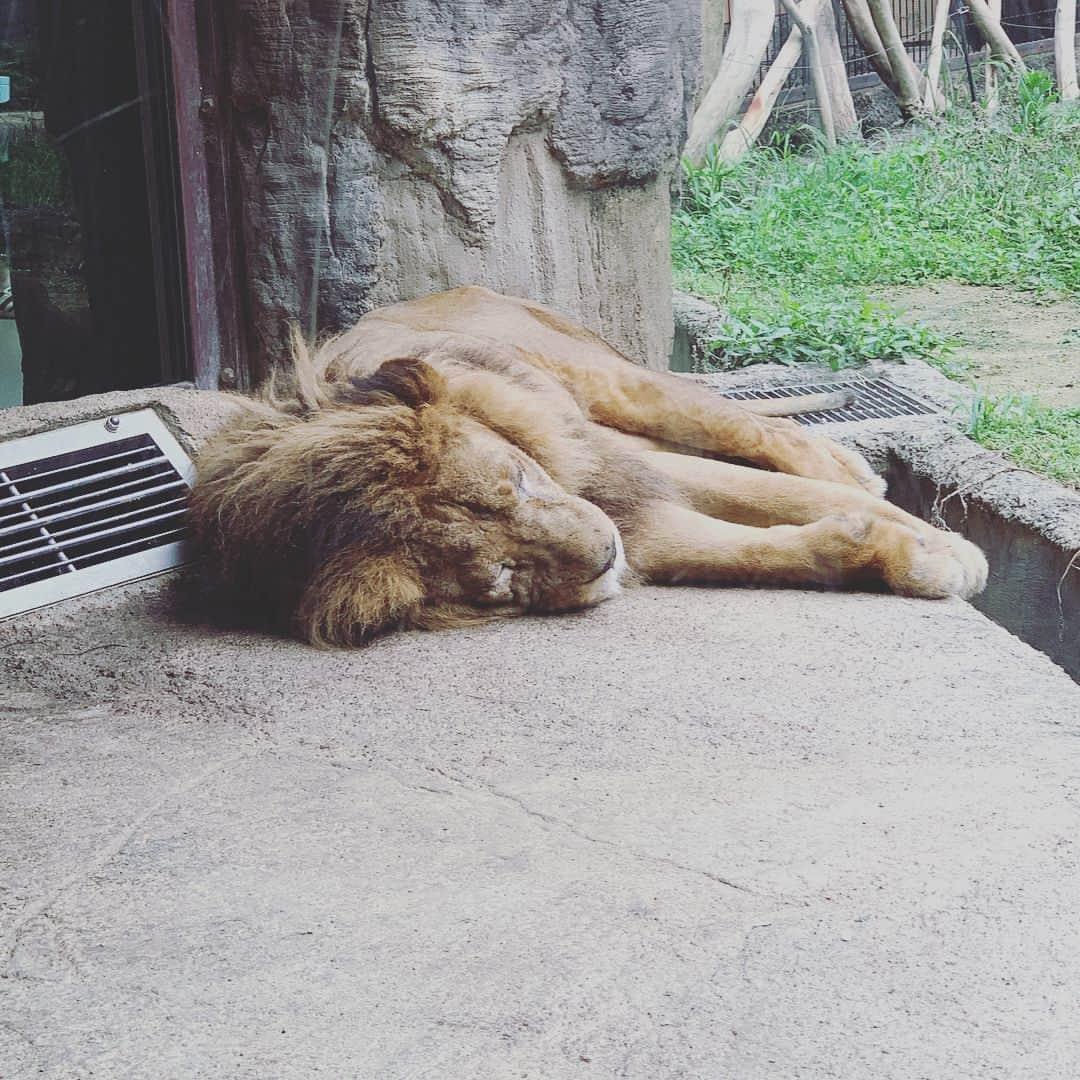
x: 817, y: 73
x: 934, y: 101
x: 211, y: 234
x: 748, y: 39
x: 1065, y: 49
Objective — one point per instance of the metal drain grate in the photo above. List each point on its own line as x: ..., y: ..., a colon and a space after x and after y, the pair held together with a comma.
x: 89, y: 506
x: 875, y: 399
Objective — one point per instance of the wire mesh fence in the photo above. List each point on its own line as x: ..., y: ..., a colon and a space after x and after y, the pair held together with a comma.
x: 1023, y: 22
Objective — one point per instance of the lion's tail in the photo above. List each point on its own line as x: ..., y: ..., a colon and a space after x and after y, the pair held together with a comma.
x: 794, y: 406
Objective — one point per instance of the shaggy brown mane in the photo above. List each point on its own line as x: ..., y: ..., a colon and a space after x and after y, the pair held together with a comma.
x: 311, y: 479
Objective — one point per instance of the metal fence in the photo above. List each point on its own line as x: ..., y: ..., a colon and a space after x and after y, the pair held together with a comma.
x: 1023, y: 22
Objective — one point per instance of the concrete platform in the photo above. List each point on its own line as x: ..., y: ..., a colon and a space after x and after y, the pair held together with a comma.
x: 701, y: 834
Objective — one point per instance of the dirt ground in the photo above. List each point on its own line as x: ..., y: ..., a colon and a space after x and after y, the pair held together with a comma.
x: 1016, y: 342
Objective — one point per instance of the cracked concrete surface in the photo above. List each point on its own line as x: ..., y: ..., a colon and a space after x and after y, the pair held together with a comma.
x: 700, y: 834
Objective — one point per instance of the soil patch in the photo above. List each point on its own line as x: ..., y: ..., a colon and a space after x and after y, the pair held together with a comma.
x: 1016, y: 342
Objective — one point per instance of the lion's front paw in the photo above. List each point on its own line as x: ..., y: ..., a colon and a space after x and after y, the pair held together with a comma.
x: 799, y: 453
x: 931, y: 563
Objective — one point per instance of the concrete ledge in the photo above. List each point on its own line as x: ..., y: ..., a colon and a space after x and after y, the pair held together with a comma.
x: 690, y: 833
x: 191, y: 415
x: 696, y: 324
x: 700, y: 833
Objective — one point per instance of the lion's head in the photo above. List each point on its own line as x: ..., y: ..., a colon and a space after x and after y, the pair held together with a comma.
x: 387, y: 505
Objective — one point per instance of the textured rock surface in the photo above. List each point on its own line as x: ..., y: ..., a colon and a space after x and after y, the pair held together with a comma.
x: 415, y: 145
x: 697, y: 325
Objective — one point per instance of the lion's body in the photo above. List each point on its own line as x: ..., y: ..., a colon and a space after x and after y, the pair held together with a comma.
x: 470, y: 454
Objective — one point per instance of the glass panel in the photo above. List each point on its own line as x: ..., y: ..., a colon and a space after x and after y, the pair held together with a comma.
x: 89, y: 265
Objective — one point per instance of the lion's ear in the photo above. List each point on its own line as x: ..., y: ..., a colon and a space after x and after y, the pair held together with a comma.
x: 353, y: 598
x: 406, y: 381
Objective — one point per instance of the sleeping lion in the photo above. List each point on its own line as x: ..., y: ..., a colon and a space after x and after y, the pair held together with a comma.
x: 470, y: 455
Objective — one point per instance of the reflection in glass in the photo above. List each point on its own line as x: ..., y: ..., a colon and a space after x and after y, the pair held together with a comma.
x: 82, y: 251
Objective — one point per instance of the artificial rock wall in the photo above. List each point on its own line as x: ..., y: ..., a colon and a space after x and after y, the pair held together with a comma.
x: 389, y: 148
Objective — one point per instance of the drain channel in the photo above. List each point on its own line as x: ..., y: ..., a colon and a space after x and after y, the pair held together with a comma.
x: 875, y: 399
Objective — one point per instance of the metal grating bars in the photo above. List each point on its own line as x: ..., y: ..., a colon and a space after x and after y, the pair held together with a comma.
x: 108, y: 504
x: 875, y: 399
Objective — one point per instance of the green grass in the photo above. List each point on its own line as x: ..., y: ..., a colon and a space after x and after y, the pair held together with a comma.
x: 791, y: 330
x: 1036, y: 437
x: 789, y: 241
x: 988, y: 203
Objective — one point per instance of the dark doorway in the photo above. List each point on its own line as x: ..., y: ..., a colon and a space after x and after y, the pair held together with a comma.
x: 92, y: 237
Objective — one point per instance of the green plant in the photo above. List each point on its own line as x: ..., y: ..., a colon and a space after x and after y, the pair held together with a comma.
x: 1035, y: 94
x: 840, y: 334
x: 984, y: 200
x: 1035, y: 436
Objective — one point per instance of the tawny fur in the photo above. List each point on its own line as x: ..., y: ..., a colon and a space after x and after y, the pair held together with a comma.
x: 470, y: 455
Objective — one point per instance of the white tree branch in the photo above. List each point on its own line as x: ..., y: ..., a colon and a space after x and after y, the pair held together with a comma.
x: 861, y: 22
x: 742, y: 137
x: 845, y: 119
x: 1065, y: 49
x: 934, y: 101
x: 1001, y: 48
x: 747, y: 41
x: 817, y: 72
x: 903, y: 67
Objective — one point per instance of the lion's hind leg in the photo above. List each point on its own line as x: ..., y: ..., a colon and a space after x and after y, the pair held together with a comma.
x: 750, y: 496
x: 679, y: 546
x: 668, y: 409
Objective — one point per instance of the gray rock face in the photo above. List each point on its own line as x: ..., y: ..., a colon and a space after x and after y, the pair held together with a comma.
x: 413, y: 145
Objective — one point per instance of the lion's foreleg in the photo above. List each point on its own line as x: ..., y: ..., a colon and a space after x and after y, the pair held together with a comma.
x: 677, y: 545
x: 750, y: 496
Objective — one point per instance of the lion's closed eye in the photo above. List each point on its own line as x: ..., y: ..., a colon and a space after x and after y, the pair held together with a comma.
x: 517, y: 486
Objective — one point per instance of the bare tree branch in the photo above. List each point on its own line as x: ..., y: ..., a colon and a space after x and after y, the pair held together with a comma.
x: 904, y: 70
x: 934, y: 100
x: 742, y: 137
x: 748, y: 39
x: 862, y: 24
x: 817, y: 72
x: 845, y: 119
x: 1001, y: 48
x: 991, y: 70
x: 1065, y: 49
